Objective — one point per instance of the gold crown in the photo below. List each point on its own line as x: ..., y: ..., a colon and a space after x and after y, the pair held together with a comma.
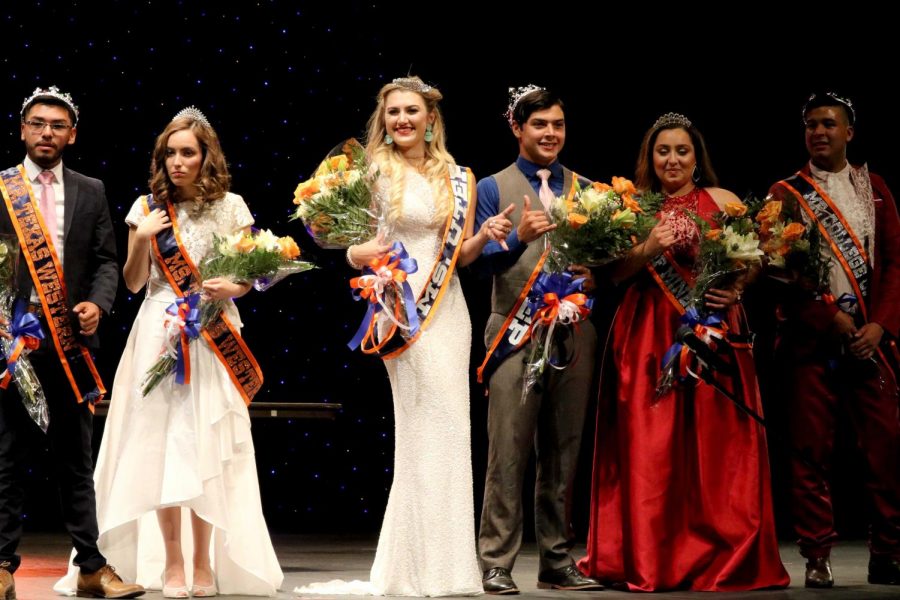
x: 51, y: 92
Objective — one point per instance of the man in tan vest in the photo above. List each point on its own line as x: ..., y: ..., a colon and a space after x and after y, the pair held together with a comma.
x: 551, y: 417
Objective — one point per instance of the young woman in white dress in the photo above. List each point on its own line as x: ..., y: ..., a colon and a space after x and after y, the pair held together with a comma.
x: 176, y: 475
x: 427, y: 541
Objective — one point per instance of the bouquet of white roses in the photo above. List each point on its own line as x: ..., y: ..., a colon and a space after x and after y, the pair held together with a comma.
x: 259, y: 257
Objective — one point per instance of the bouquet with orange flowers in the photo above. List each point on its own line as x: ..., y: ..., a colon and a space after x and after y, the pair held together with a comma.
x: 259, y: 257
x: 728, y: 247
x: 337, y: 205
x: 792, y: 248
x: 600, y: 223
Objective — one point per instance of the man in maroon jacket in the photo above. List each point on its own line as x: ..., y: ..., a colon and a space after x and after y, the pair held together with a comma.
x: 834, y: 345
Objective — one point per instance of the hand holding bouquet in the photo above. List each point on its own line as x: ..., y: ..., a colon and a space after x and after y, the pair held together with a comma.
x: 600, y: 224
x: 337, y: 205
x: 259, y: 257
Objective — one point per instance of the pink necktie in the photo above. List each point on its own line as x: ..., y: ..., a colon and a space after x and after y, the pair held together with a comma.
x: 545, y: 194
x: 48, y: 203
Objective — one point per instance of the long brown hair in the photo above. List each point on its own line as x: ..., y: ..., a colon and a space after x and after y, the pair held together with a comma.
x: 645, y: 178
x: 213, y: 181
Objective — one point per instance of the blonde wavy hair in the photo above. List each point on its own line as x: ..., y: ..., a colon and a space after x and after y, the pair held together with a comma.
x: 213, y: 181
x: 436, y: 166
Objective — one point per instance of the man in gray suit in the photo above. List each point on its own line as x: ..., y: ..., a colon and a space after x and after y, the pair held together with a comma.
x: 551, y: 417
x: 67, y: 278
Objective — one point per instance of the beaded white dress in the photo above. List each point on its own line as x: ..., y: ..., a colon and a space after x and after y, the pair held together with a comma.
x: 182, y: 445
x: 427, y: 541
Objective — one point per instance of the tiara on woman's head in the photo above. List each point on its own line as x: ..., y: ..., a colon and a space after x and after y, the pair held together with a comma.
x: 192, y: 112
x: 516, y: 94
x: 412, y: 84
x: 670, y: 120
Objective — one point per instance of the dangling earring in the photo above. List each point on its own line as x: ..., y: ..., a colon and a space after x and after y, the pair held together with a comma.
x: 695, y: 174
x: 388, y: 139
x: 428, y: 135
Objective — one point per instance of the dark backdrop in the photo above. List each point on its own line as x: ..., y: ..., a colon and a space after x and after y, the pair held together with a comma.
x: 282, y: 82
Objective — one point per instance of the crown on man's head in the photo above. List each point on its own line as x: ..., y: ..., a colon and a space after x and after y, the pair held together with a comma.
x: 412, y: 84
x: 51, y: 92
x: 192, y: 112
x: 671, y: 120
x: 828, y: 98
x: 516, y: 94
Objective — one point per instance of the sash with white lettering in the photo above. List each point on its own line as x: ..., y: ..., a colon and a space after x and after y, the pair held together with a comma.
x: 516, y: 329
x: 850, y: 253
x: 462, y: 186
x: 49, y: 285
x: 184, y: 279
x: 672, y: 279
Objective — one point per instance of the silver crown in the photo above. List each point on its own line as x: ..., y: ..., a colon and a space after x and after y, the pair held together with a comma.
x: 413, y: 84
x: 51, y: 92
x: 671, y: 119
x: 516, y: 94
x: 192, y: 112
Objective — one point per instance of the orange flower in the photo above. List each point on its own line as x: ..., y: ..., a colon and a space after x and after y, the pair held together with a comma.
x: 623, y: 186
x: 288, y: 247
x: 770, y: 212
x: 576, y: 220
x: 793, y: 232
x: 601, y: 187
x: 629, y: 202
x: 245, y: 244
x: 713, y: 234
x: 305, y: 190
x: 735, y: 209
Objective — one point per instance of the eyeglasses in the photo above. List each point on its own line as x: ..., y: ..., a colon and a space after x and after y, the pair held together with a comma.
x: 55, y: 127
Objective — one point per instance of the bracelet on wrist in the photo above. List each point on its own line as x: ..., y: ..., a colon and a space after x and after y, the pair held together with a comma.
x: 350, y: 259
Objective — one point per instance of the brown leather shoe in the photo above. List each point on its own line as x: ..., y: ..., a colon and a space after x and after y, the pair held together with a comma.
x: 818, y: 573
x: 106, y: 584
x: 7, y: 583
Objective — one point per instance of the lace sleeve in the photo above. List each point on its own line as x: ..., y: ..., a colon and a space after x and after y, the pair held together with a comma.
x: 136, y: 214
x: 238, y: 212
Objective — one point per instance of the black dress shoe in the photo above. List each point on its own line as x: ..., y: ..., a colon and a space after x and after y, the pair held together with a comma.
x: 884, y: 570
x: 498, y: 581
x: 818, y: 573
x: 567, y: 578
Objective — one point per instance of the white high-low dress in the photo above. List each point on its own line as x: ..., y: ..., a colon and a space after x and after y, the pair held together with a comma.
x: 182, y: 445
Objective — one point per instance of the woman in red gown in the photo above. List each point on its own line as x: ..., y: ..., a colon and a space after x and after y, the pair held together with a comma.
x: 681, y: 492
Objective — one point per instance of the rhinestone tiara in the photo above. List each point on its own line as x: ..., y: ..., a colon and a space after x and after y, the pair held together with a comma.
x: 818, y: 97
x: 516, y: 94
x: 192, y: 112
x: 51, y: 92
x: 671, y: 119
x: 413, y: 84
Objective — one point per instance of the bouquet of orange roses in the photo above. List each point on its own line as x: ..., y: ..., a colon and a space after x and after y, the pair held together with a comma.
x: 792, y: 248
x: 338, y: 205
x: 600, y: 224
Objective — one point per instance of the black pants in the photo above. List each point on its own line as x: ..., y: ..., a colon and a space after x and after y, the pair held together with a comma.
x: 69, y: 436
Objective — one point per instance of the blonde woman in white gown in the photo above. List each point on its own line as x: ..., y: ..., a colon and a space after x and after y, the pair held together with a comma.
x: 427, y: 541
x: 176, y: 475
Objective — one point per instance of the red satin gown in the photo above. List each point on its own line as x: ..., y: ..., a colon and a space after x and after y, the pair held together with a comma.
x: 681, y: 496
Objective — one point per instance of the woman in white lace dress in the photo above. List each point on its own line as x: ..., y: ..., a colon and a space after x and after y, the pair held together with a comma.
x: 427, y: 541
x: 176, y: 475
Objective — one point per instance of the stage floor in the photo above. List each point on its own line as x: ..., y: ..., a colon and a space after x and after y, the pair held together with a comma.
x: 306, y: 559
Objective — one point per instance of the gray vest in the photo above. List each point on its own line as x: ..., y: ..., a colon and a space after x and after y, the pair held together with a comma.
x: 513, y: 186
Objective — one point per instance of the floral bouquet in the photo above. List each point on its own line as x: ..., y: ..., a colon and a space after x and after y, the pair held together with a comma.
x: 792, y: 248
x: 728, y: 248
x: 600, y: 224
x: 557, y: 303
x: 259, y: 257
x: 338, y: 205
x: 26, y: 335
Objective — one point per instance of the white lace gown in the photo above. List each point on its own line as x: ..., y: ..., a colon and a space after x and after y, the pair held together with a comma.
x: 427, y: 541
x: 182, y: 445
